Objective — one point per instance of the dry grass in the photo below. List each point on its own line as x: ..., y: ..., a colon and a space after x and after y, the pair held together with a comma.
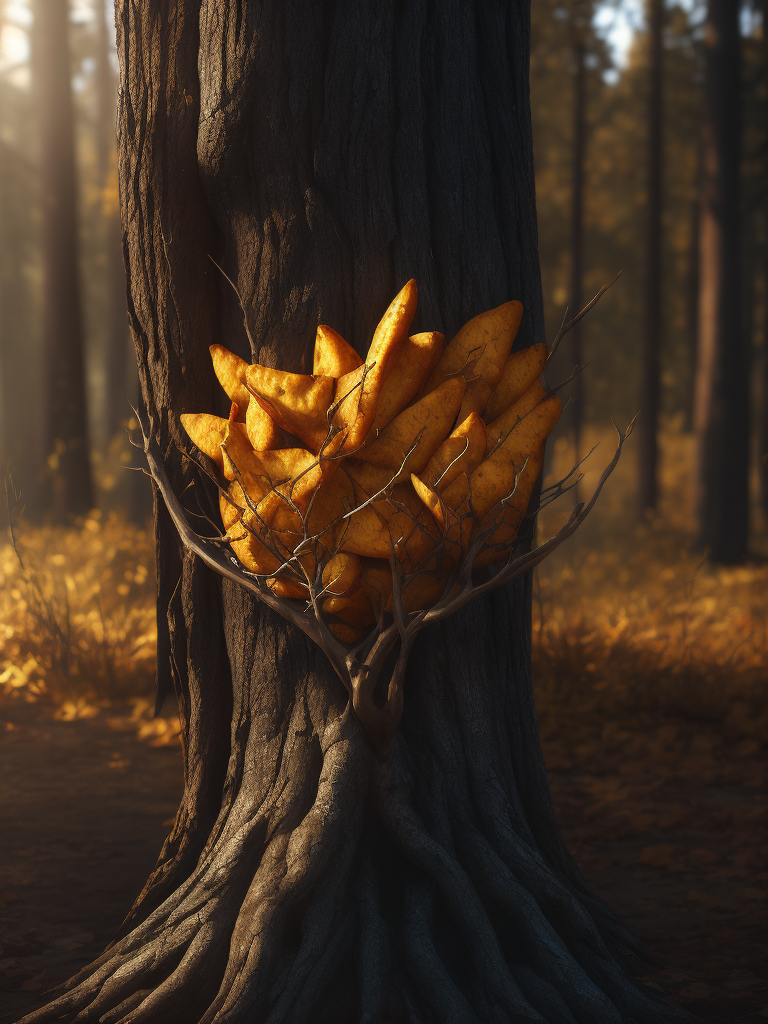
x: 77, y: 621
x: 628, y: 620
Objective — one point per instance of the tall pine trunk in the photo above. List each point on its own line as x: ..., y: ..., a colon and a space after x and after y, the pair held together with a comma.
x: 649, y: 416
x: 577, y: 225
x: 323, y: 154
x: 118, y: 391
x: 722, y: 393
x: 68, y: 479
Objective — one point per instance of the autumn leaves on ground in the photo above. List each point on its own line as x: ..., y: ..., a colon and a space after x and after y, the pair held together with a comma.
x: 652, y: 702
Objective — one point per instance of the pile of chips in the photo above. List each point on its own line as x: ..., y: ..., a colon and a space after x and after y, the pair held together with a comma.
x: 340, y: 478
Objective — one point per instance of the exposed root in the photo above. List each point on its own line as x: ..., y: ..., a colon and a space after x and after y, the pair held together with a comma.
x: 334, y: 890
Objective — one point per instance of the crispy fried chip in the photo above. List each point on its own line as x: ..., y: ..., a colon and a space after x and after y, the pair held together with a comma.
x: 248, y: 546
x: 520, y: 371
x: 354, y: 609
x: 207, y: 432
x: 501, y: 426
x: 413, y: 362
x: 461, y: 452
x: 412, y: 493
x: 483, y: 344
x: 358, y: 392
x: 229, y: 369
x: 298, y: 402
x: 419, y: 429
x: 498, y: 545
x: 341, y: 573
x: 333, y: 356
x: 495, y: 477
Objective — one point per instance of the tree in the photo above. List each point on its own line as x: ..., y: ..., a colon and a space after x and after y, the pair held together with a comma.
x: 322, y: 155
x: 64, y: 404
x: 722, y: 394
x: 579, y: 20
x: 117, y: 349
x: 648, y: 453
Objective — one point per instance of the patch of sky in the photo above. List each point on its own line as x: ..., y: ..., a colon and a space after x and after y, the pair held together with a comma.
x: 617, y: 21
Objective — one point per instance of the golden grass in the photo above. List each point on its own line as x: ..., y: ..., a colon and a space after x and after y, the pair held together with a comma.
x: 628, y: 620
x: 77, y: 622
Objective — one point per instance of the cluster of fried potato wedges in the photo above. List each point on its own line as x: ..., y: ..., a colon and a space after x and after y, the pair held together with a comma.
x: 338, y: 478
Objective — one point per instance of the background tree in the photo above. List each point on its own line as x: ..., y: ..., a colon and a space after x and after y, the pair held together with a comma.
x: 322, y: 155
x: 648, y: 423
x: 579, y: 17
x: 19, y: 240
x: 117, y: 350
x: 65, y: 409
x: 722, y: 395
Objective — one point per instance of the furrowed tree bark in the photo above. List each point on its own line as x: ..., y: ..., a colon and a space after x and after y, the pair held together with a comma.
x: 722, y: 393
x: 323, y: 154
x: 68, y: 489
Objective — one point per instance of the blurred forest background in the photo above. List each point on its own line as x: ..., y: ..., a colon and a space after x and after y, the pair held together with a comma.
x: 650, y: 634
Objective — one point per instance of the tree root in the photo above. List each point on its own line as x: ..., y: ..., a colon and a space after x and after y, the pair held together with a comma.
x: 332, y: 889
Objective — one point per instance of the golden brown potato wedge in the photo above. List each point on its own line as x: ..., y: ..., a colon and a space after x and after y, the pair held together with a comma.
x: 358, y: 392
x: 520, y: 371
x: 261, y: 429
x: 475, y: 398
x: 209, y: 433
x: 413, y: 362
x: 354, y: 609
x: 501, y: 426
x: 461, y: 452
x: 419, y: 429
x: 494, y: 478
x: 499, y: 544
x: 298, y: 402
x: 451, y: 512
x: 376, y: 580
x: 333, y: 356
x: 249, y: 547
x: 229, y: 369
x: 341, y: 574
x: 481, y: 346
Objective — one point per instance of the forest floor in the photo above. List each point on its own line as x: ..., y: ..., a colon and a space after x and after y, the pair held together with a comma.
x: 653, y: 705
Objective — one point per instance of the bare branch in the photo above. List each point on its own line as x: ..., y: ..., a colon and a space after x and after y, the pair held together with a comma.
x: 565, y: 327
x: 518, y: 566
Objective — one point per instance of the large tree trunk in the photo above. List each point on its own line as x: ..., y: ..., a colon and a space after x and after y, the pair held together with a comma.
x: 325, y: 154
x: 64, y: 398
x: 648, y: 450
x: 722, y: 393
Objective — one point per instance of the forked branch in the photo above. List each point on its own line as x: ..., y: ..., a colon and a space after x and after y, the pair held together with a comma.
x: 376, y: 702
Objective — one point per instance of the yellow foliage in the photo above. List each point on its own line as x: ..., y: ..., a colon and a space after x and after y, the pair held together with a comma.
x: 77, y: 624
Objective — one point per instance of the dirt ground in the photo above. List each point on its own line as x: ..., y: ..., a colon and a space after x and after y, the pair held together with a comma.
x: 667, y: 822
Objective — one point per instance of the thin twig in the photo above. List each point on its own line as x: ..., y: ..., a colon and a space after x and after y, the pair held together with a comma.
x: 565, y: 327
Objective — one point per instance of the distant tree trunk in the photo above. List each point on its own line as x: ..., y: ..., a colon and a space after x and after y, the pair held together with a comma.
x: 20, y: 435
x: 118, y: 392
x: 692, y: 311
x: 762, y: 446
x: 577, y: 229
x: 323, y: 154
x: 722, y: 393
x: 70, y: 489
x: 649, y: 415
